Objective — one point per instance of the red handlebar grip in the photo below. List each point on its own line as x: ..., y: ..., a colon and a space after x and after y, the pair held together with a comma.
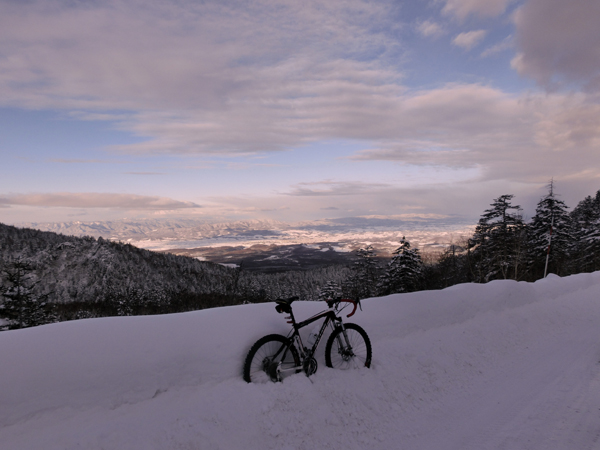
x: 355, y: 305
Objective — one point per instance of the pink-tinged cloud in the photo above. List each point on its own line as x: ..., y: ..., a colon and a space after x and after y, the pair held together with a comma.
x: 96, y: 200
x: 506, y: 44
x: 506, y: 137
x: 335, y: 188
x: 469, y: 39
x: 482, y: 8
x: 559, y: 42
x: 201, y: 77
x: 131, y: 55
x: 430, y: 29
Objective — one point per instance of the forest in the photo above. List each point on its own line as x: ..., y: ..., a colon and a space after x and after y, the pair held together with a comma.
x: 47, y: 277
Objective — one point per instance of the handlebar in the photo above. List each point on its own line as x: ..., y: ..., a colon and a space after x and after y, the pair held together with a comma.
x: 285, y: 305
x: 331, y: 304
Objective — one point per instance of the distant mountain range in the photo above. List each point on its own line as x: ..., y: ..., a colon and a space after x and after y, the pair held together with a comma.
x: 341, y: 235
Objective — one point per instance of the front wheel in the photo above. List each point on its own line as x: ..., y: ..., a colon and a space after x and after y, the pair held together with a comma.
x: 271, y: 358
x: 349, y: 348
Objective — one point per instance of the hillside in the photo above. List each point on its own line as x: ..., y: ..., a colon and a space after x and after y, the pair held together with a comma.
x: 504, y: 365
x: 89, y: 277
x: 85, y: 269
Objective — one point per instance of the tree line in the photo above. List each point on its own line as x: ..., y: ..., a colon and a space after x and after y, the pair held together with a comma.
x: 503, y: 246
x: 555, y: 240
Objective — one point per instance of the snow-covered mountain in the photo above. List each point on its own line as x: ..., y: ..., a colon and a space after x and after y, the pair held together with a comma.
x: 98, y: 277
x: 156, y: 229
x: 73, y: 269
x: 504, y: 365
x: 348, y: 233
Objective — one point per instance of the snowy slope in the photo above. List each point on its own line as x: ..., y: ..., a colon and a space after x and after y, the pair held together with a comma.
x: 499, y: 366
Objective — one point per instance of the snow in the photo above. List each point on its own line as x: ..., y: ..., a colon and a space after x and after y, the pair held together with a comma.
x: 504, y: 365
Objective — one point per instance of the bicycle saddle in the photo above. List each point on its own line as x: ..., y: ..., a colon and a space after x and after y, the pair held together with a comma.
x: 284, y: 305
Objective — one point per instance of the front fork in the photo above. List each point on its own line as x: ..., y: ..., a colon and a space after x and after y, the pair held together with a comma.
x: 344, y: 346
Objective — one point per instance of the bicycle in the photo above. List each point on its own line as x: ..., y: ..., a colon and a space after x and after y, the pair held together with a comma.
x: 275, y: 356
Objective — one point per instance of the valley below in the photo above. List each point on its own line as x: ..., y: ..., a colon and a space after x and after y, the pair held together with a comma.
x: 265, y: 245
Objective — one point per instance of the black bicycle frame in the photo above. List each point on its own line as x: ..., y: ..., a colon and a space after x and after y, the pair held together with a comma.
x: 305, y: 352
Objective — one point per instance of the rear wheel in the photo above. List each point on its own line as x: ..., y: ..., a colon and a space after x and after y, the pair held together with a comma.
x: 348, y: 350
x: 271, y: 358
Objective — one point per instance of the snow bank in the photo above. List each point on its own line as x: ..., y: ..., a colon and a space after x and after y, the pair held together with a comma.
x: 501, y: 365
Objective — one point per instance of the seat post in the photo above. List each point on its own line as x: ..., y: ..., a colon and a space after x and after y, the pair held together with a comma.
x: 293, y: 321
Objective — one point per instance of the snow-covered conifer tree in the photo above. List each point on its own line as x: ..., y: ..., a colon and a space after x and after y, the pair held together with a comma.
x: 21, y: 308
x: 365, y: 272
x: 404, y: 272
x: 586, y: 234
x: 450, y: 269
x: 550, y: 230
x: 497, y: 248
x: 253, y: 292
x: 329, y: 291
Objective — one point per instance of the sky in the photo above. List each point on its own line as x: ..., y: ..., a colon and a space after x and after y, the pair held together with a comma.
x: 285, y: 110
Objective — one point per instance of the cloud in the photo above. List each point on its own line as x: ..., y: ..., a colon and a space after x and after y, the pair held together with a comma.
x: 138, y: 55
x: 96, y: 200
x: 300, y: 101
x: 506, y: 44
x: 521, y: 138
x: 469, y: 39
x: 144, y: 173
x: 201, y: 77
x: 428, y: 28
x: 408, y: 216
x: 334, y: 188
x: 462, y: 9
x: 84, y: 161
x: 559, y: 42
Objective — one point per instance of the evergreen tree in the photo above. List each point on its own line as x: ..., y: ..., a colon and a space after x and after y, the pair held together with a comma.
x: 586, y: 235
x: 450, y: 269
x: 365, y: 272
x: 587, y: 211
x: 330, y: 291
x: 404, y: 272
x: 21, y: 307
x: 253, y: 292
x: 550, y: 235
x: 498, y: 246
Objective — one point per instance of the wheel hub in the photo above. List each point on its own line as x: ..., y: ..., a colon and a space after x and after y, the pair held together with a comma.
x: 347, y: 354
x: 270, y: 368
